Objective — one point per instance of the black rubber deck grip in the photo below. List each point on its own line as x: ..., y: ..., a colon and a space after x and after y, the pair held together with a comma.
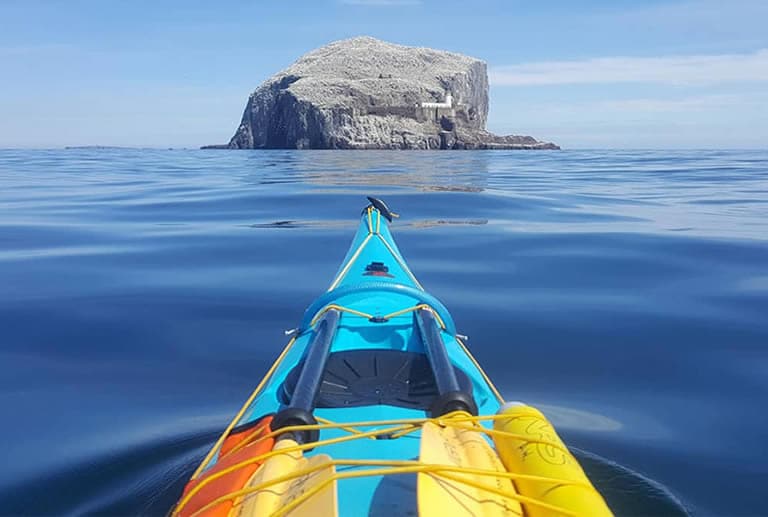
x: 371, y: 376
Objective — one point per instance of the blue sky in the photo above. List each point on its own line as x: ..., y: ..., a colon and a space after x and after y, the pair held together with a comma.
x: 607, y: 74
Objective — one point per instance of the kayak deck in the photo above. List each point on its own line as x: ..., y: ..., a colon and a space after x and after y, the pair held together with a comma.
x: 357, y: 334
x: 376, y: 406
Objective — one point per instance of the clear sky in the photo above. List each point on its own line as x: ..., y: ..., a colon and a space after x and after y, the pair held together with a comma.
x: 588, y: 73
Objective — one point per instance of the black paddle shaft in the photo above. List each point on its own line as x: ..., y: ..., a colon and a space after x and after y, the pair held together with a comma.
x: 450, y: 395
x: 302, y: 404
x: 314, y: 364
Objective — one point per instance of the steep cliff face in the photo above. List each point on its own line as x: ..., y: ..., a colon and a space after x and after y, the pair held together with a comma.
x: 364, y: 93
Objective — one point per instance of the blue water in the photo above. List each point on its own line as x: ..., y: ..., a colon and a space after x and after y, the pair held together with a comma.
x: 144, y: 293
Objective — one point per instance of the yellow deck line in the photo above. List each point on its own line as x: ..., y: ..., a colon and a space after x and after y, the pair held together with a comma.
x: 370, y: 221
x: 402, y: 264
x: 488, y: 380
x: 349, y: 263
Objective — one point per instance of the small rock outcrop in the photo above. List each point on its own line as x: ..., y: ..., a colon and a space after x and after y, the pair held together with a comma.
x: 364, y: 93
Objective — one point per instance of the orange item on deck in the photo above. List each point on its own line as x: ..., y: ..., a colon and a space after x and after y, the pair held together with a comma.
x: 236, y: 448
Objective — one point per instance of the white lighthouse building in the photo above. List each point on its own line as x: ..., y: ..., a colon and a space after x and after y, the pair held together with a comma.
x: 447, y: 103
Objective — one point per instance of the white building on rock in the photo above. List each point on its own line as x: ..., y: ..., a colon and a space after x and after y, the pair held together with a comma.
x: 447, y: 103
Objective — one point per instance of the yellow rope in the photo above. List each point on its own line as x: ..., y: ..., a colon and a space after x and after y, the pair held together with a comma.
x: 403, y: 311
x: 262, y: 457
x: 506, y: 434
x: 394, y: 467
x: 341, y: 426
x: 400, y: 427
x: 404, y: 432
x: 482, y: 372
x: 416, y: 308
x: 247, y: 440
x: 349, y: 263
x: 339, y: 308
x: 243, y: 409
x: 407, y: 425
x: 354, y: 256
x: 404, y: 424
x: 517, y: 497
x: 312, y: 491
x: 430, y: 469
x: 402, y: 264
x: 370, y: 221
x: 371, y: 233
x: 365, y: 315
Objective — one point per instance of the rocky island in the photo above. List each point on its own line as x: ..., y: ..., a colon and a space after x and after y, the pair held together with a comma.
x: 364, y: 93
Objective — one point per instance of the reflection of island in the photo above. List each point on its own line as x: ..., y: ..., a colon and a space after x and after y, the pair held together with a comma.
x: 447, y: 222
x: 116, y: 148
x: 97, y: 148
x: 452, y: 188
x: 426, y: 223
x: 439, y: 172
x: 364, y: 93
x: 430, y: 175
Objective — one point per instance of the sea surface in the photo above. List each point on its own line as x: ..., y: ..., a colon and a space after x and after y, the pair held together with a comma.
x: 144, y: 293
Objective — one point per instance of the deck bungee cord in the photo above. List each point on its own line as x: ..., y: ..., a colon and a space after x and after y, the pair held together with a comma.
x: 396, y: 429
x: 369, y: 211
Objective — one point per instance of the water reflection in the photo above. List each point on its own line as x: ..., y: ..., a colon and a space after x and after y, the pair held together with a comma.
x: 436, y: 172
x: 412, y: 224
x: 651, y: 193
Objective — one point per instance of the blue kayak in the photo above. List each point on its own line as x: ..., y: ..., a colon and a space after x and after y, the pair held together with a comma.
x: 377, y: 407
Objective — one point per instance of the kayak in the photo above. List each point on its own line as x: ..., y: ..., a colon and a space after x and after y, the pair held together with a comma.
x: 377, y: 407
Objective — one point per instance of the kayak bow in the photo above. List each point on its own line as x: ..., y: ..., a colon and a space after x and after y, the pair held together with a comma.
x: 376, y: 406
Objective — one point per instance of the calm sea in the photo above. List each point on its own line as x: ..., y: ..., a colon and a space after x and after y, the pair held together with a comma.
x: 143, y: 293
